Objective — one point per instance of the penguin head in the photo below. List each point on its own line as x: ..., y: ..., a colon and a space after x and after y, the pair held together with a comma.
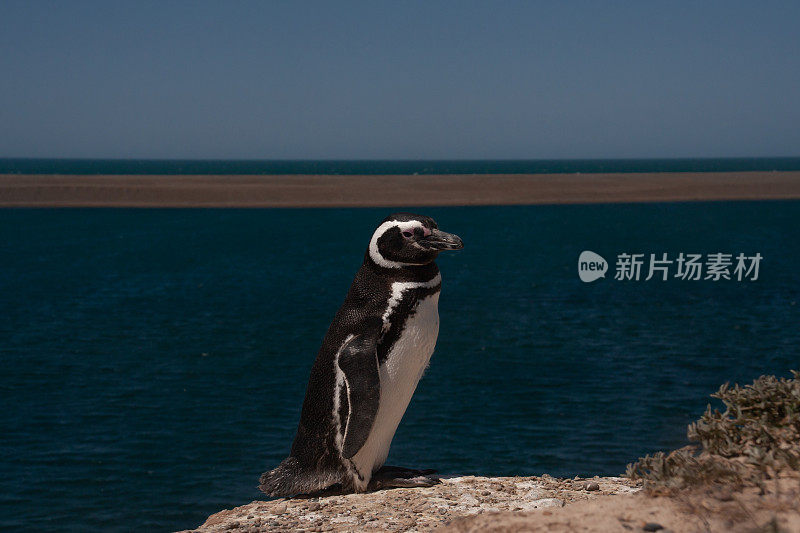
x: 405, y: 239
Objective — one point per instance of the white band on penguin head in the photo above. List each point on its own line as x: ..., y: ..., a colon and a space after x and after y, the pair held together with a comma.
x: 375, y: 253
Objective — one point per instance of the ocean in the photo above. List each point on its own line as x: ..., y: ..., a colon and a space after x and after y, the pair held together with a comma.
x: 155, y: 360
x: 336, y: 167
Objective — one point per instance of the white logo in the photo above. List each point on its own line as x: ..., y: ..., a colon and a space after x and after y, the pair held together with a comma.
x: 591, y: 266
x: 717, y: 266
x: 688, y: 266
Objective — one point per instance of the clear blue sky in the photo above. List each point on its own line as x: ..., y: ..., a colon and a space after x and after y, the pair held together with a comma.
x: 459, y: 79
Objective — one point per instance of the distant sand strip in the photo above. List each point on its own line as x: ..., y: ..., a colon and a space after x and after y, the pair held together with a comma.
x: 389, y: 190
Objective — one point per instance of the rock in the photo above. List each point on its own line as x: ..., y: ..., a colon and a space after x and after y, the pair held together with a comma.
x: 547, y: 502
x: 593, y: 485
x: 652, y: 526
x: 414, y: 508
x: 469, y: 500
x: 536, y: 494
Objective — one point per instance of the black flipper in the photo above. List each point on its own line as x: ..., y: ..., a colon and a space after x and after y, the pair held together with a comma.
x: 358, y: 360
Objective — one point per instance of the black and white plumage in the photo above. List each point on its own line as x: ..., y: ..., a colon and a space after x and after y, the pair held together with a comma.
x: 374, y: 354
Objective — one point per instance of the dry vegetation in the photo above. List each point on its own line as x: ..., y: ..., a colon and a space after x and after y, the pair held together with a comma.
x: 756, y: 438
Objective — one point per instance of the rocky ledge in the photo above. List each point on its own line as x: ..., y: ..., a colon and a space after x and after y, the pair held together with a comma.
x: 417, y: 509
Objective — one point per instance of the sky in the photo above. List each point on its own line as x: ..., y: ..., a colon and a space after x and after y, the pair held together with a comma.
x: 399, y: 80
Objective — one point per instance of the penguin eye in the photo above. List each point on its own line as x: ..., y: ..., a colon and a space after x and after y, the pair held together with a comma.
x: 407, y: 234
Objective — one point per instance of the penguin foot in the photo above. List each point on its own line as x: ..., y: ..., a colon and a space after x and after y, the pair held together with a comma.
x: 405, y: 472
x: 388, y: 477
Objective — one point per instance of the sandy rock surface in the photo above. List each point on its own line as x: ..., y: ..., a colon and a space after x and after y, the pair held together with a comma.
x: 701, y: 510
x: 417, y: 509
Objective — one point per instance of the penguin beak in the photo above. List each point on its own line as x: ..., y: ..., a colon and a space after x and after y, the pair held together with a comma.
x: 439, y: 240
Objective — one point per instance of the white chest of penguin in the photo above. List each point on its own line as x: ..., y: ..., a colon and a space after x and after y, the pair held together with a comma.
x: 399, y: 376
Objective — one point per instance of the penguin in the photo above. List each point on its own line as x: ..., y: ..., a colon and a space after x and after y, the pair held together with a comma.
x: 374, y: 353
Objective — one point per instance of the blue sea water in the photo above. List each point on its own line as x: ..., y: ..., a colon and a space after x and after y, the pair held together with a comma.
x: 520, y: 166
x: 155, y: 361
